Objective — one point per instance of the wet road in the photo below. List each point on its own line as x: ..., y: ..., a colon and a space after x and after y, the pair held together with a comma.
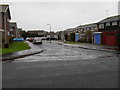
x: 62, y: 67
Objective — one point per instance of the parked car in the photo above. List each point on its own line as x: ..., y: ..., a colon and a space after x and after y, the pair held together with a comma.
x: 31, y: 39
x: 27, y: 39
x: 18, y: 39
x: 43, y: 38
x: 37, y: 40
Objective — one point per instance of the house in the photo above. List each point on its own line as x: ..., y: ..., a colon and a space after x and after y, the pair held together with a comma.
x: 69, y: 34
x: 106, y: 31
x: 4, y: 24
x: 110, y: 28
x: 80, y: 30
x: 60, y: 35
x: 13, y: 29
x: 19, y: 33
x: 86, y: 32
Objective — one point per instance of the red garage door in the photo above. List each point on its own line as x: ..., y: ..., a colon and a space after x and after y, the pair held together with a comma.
x: 109, y: 38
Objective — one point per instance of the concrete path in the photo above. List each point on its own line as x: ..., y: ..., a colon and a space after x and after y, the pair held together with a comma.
x: 34, y: 50
x: 89, y: 46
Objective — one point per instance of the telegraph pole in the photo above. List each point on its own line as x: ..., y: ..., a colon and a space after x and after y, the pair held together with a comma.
x: 107, y: 12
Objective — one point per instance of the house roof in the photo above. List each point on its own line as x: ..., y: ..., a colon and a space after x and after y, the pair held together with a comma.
x: 5, y: 8
x: 110, y: 19
x: 70, y: 29
x: 36, y: 31
x: 87, y: 25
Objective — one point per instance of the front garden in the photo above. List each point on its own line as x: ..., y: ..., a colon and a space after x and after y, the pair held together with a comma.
x: 14, y: 47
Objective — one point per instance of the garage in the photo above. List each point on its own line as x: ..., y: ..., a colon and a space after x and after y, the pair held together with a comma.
x: 110, y: 38
x: 97, y: 37
x: 77, y: 37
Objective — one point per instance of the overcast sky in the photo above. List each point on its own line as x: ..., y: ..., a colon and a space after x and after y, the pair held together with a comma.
x: 61, y: 15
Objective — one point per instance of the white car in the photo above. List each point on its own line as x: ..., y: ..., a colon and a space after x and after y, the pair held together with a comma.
x: 37, y: 40
x: 27, y: 38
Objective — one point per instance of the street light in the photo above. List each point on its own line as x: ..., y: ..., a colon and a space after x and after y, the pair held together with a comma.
x: 50, y: 31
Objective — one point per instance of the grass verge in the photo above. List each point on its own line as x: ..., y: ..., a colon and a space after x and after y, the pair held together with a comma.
x: 68, y: 42
x: 14, y: 47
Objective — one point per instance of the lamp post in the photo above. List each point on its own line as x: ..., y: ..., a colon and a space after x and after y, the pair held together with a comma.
x: 50, y: 31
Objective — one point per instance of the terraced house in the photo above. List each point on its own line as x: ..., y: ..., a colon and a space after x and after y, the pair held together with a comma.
x: 110, y: 28
x: 106, y: 32
x: 4, y: 25
x: 86, y: 32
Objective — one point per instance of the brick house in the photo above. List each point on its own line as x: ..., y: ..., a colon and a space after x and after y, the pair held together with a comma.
x: 13, y: 29
x: 4, y: 24
x: 86, y: 32
x: 81, y: 31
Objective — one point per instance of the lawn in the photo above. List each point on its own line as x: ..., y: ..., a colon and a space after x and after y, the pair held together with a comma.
x: 68, y: 42
x: 14, y: 47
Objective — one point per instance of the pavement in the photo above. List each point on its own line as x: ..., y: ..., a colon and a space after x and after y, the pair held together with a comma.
x: 34, y: 50
x: 90, y: 46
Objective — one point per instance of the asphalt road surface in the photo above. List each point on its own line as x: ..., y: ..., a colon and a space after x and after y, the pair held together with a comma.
x: 62, y: 67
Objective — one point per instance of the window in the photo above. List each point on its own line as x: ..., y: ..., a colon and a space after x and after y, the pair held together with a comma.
x: 11, y: 29
x: 114, y: 23
x: 101, y: 25
x: 107, y: 24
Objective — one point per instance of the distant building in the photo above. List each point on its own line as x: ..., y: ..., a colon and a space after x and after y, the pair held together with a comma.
x: 19, y: 33
x: 69, y: 34
x: 13, y: 29
x: 86, y: 31
x: 82, y: 33
x: 4, y: 24
x: 52, y: 34
x: 60, y: 35
x: 40, y: 33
